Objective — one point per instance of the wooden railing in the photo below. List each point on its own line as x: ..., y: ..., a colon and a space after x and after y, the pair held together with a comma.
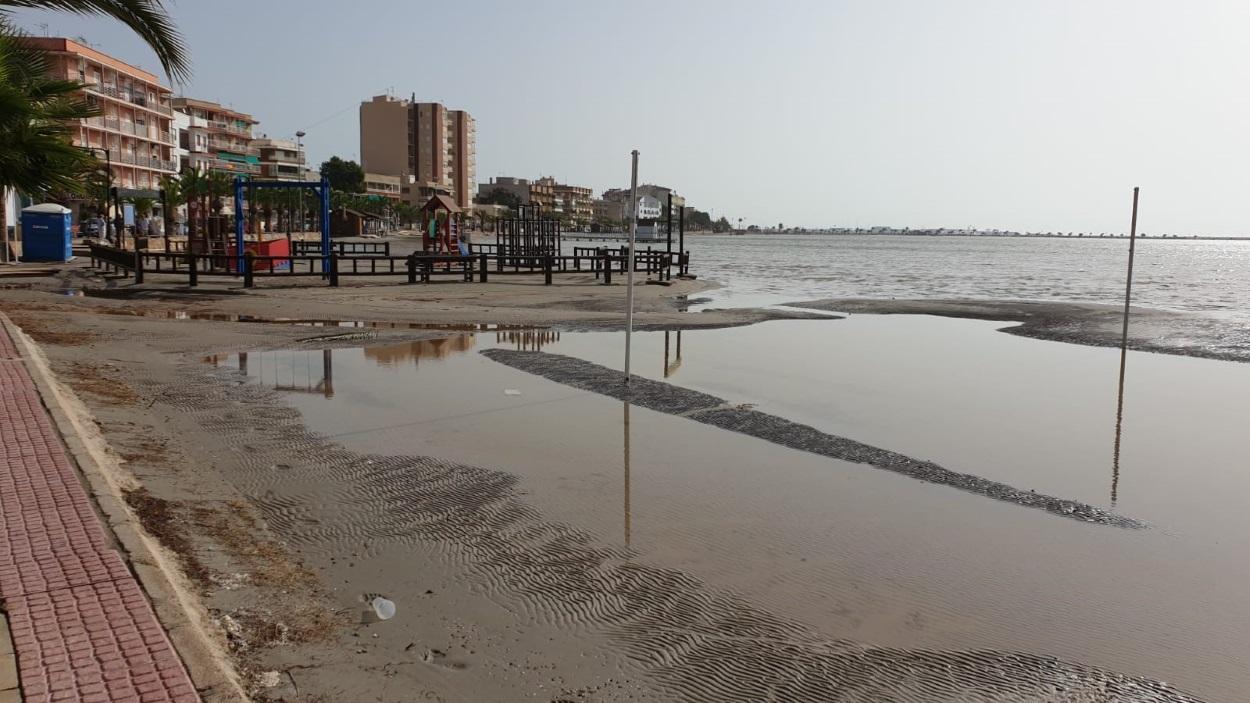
x: 415, y: 267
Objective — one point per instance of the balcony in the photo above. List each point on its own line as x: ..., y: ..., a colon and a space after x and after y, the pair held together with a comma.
x: 283, y: 157
x: 131, y: 159
x: 236, y: 167
x: 147, y: 132
x: 127, y: 96
x: 230, y: 127
x: 233, y: 147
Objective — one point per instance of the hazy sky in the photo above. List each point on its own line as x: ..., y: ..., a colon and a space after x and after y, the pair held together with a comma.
x: 987, y: 113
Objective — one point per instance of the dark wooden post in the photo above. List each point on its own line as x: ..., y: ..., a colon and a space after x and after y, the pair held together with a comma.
x: 547, y: 270
x: 138, y: 266
x: 411, y: 261
x: 607, y: 268
x: 193, y: 269
x: 482, y: 268
x: 669, y: 227
x: 334, y: 269
x: 249, y: 265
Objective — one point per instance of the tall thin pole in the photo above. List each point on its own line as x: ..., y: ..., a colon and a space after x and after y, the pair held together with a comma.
x: 629, y: 261
x: 1128, y: 283
x: 669, y: 227
x: 1119, y: 406
x: 299, y: 156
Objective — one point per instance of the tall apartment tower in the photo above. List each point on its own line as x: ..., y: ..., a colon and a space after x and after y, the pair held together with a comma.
x: 430, y: 148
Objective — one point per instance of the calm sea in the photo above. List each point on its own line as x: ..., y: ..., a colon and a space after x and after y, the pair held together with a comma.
x: 1193, y: 275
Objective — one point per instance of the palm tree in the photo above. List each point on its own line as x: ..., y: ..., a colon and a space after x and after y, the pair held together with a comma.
x: 143, y: 206
x: 36, y: 144
x: 192, y: 185
x: 147, y: 18
x: 174, y: 198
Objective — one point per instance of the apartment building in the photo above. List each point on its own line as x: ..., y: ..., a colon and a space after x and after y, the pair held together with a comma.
x: 217, y: 138
x: 280, y: 159
x: 574, y: 203
x: 134, y: 131
x: 430, y: 148
x: 518, y: 187
x: 543, y: 193
x: 382, y: 185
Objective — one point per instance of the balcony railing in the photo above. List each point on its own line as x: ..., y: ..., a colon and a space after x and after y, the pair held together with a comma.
x: 285, y: 158
x: 127, y: 96
x: 230, y: 127
x: 232, y: 147
x: 142, y: 131
x: 236, y: 166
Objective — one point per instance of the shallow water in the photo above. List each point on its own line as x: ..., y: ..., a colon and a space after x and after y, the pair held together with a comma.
x: 855, y: 552
x: 1172, y: 274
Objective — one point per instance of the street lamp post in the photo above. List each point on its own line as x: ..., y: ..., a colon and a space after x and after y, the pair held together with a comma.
x: 299, y: 156
x: 110, y: 194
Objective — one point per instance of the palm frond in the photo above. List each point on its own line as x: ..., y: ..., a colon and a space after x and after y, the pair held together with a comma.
x: 147, y: 18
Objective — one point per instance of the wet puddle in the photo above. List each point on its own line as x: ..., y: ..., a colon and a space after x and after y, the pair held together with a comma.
x: 855, y: 552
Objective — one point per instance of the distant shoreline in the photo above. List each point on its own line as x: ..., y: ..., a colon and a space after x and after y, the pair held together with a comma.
x: 615, y: 236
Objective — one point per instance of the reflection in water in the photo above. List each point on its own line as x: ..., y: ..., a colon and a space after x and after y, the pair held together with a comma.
x: 528, y: 340
x: 1119, y: 418
x: 294, y: 371
x: 670, y: 367
x: 394, y: 354
x: 627, y: 514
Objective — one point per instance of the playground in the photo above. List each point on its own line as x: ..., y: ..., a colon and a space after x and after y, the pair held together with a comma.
x: 529, y: 244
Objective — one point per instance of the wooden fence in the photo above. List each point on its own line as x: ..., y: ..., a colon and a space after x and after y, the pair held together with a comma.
x: 415, y: 267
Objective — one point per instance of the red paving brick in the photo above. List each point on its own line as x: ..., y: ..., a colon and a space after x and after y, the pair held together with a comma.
x: 82, y: 628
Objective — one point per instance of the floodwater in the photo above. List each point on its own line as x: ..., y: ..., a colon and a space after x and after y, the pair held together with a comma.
x: 854, y: 552
x: 1169, y: 274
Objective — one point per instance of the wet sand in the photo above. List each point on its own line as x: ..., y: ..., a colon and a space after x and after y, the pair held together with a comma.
x: 1192, y: 334
x: 539, y: 546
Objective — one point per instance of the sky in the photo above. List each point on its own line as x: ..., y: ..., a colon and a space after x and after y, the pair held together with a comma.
x: 1024, y: 115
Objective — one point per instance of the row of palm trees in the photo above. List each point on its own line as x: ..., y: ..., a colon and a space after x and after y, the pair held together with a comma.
x: 37, y: 113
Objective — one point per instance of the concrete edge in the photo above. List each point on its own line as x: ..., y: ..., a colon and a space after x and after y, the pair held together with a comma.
x: 192, y: 631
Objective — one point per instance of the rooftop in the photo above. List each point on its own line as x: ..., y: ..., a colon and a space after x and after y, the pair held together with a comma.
x: 62, y: 45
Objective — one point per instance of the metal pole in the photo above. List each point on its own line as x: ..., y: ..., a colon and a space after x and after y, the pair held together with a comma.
x: 1128, y: 284
x: 238, y: 224
x: 629, y: 261
x: 299, y: 153
x: 1119, y: 406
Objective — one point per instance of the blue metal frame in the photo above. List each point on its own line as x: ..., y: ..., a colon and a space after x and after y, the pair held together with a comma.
x: 321, y: 189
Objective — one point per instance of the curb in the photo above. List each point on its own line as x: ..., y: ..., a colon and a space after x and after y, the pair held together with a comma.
x: 190, y: 628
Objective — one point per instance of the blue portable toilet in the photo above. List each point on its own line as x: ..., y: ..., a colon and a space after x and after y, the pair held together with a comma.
x: 46, y: 233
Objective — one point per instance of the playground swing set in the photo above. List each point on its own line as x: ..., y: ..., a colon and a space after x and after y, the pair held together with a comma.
x: 278, y: 247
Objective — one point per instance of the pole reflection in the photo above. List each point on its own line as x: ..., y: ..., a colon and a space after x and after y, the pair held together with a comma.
x: 627, y: 513
x: 528, y: 340
x: 1119, y: 422
x: 671, y: 365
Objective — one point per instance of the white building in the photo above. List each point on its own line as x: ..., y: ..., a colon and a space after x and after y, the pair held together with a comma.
x: 649, y: 208
x: 181, y: 123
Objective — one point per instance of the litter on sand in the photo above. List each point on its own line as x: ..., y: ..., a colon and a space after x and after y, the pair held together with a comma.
x: 511, y: 391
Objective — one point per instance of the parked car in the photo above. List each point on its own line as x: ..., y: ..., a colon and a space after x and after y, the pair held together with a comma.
x: 90, y: 228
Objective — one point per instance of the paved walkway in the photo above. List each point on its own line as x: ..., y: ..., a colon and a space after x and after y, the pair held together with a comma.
x: 82, y: 628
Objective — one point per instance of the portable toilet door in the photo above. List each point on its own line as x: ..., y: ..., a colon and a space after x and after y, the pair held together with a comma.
x: 46, y: 233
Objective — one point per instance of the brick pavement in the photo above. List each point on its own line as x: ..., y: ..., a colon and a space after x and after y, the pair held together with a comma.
x: 82, y: 628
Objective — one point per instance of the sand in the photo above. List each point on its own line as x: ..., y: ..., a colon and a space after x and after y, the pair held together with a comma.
x: 279, y: 527
x: 1162, y: 331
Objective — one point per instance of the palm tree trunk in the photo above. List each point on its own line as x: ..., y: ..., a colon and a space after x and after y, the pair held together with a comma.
x: 4, y: 223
